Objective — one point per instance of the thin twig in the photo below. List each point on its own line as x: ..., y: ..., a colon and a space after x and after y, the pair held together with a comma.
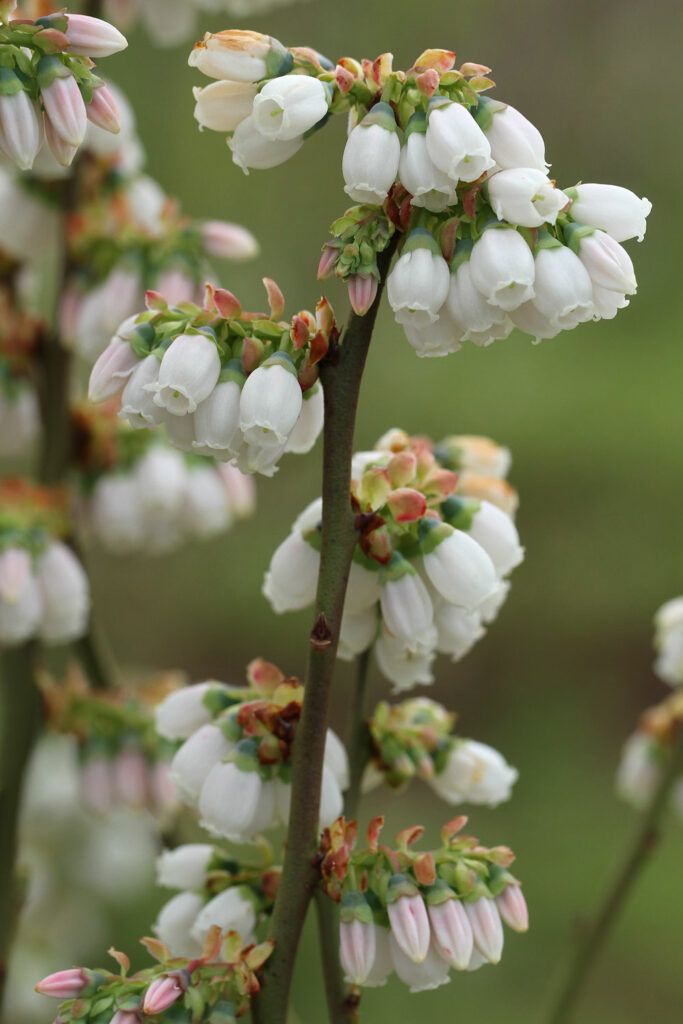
x: 360, y: 747
x: 341, y: 375
x: 644, y: 844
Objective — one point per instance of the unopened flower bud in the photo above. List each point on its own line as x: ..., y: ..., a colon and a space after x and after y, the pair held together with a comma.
x: 103, y: 112
x: 487, y: 928
x: 109, y: 374
x: 514, y: 140
x: 93, y: 37
x: 62, y: 99
x: 616, y: 210
x: 20, y: 128
x: 362, y: 292
x: 408, y: 918
x: 452, y: 932
x: 228, y: 241
x: 64, y: 985
x: 357, y: 938
x: 164, y: 992
x: 513, y: 909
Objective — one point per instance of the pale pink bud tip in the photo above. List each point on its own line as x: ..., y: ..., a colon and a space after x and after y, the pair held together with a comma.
x: 103, y: 112
x: 362, y: 292
x: 328, y: 262
x: 64, y: 984
x: 93, y: 37
x: 228, y: 241
x: 164, y: 992
x: 513, y: 909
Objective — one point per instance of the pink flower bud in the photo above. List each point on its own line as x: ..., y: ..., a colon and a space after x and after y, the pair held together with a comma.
x: 228, y: 241
x: 452, y: 933
x: 410, y: 926
x: 21, y: 131
x: 113, y: 367
x: 164, y: 992
x: 487, y: 928
x: 357, y: 946
x: 64, y: 984
x: 103, y: 112
x: 328, y: 262
x: 65, y: 109
x: 362, y: 292
x: 126, y: 1017
x: 513, y: 909
x: 176, y: 286
x: 93, y: 37
x: 62, y: 151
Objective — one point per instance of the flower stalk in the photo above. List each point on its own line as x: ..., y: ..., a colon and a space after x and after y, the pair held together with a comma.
x: 341, y: 374
x: 598, y: 930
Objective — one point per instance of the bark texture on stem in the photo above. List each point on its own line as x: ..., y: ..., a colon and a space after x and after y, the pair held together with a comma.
x: 341, y: 375
x: 598, y: 931
x: 19, y: 726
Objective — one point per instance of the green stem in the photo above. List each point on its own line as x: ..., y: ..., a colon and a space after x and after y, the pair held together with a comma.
x: 341, y: 375
x: 644, y: 845
x: 360, y: 748
x: 19, y: 727
x: 342, y: 1004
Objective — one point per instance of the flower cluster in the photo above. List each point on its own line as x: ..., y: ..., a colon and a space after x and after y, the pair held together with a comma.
x: 414, y: 739
x: 217, y: 987
x: 215, y: 891
x: 235, y: 763
x: 419, y: 914
x: 240, y: 386
x: 44, y: 589
x: 143, y: 497
x: 647, y: 752
x: 491, y: 243
x: 48, y: 90
x: 122, y: 760
x: 669, y: 642
x: 430, y: 563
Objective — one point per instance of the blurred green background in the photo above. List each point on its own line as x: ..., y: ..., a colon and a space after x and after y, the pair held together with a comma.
x: 595, y: 424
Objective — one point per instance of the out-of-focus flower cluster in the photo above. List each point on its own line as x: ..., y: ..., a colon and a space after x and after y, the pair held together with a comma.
x: 419, y: 914
x: 44, y: 590
x: 434, y: 550
x: 169, y: 22
x: 123, y: 761
x: 235, y: 763
x: 142, y: 496
x: 216, y: 890
x: 491, y: 243
x: 669, y: 642
x: 414, y: 739
x: 218, y: 986
x: 240, y: 386
x: 48, y: 89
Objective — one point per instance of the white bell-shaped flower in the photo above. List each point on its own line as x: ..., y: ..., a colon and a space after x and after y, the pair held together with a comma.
x: 231, y: 910
x: 475, y: 773
x: 184, y: 711
x: 403, y: 667
x: 271, y: 402
x: 607, y: 262
x: 458, y: 630
x: 310, y: 422
x: 466, y: 304
x: 253, y: 151
x: 616, y: 210
x: 236, y: 804
x: 430, y: 973
x: 184, y: 867
x: 288, y: 106
x: 217, y: 421
x: 175, y: 922
x: 206, y: 511
x: 117, y: 515
x: 196, y: 759
x: 487, y: 928
x: 458, y: 567
x: 528, y: 318
x: 237, y: 55
x: 371, y: 156
x: 640, y: 769
x: 452, y: 933
x: 358, y: 631
x: 137, y: 403
x: 456, y: 143
x: 502, y: 267
x: 222, y: 106
x: 429, y: 186
x: 406, y: 606
x: 525, y: 196
x: 606, y: 303
x: 363, y: 589
x: 418, y: 283
x: 337, y: 759
x: 21, y: 133
x: 188, y: 374
x: 563, y: 288
x: 292, y: 577
x: 514, y: 140
x: 65, y: 592
x: 497, y: 534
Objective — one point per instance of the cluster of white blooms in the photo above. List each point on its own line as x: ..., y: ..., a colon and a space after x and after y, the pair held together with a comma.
x: 159, y: 501
x: 669, y: 642
x: 430, y: 566
x: 205, y: 902
x: 169, y: 22
x: 266, y: 110
x: 241, y: 387
x: 491, y: 244
x: 414, y: 739
x: 44, y: 590
x: 234, y: 764
x: 48, y: 91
